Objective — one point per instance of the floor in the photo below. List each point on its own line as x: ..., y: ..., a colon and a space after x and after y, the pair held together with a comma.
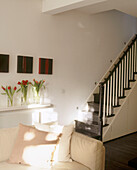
x: 120, y: 151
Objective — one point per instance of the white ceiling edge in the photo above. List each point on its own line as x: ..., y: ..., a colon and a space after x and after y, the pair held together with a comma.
x: 53, y: 7
x: 58, y: 6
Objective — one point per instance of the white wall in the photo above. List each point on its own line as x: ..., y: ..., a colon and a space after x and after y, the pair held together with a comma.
x: 81, y: 47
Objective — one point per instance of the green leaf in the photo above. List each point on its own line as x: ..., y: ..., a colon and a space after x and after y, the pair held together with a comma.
x: 18, y: 90
x: 3, y: 93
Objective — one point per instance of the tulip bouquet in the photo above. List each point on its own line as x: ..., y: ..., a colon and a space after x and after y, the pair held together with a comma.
x: 23, y: 88
x: 37, y: 85
x: 9, y: 92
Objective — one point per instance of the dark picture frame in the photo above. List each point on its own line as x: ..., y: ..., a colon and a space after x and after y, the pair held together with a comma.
x: 24, y: 64
x: 45, y: 66
x: 4, y: 63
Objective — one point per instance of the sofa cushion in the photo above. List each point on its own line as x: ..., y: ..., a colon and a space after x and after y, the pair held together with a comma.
x: 34, y: 147
x: 64, y: 144
x: 69, y: 166
x: 8, y: 166
x: 87, y: 151
x: 7, y: 139
x: 59, y: 166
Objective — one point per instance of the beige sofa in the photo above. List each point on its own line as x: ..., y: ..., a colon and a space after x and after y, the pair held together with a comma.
x: 86, y: 153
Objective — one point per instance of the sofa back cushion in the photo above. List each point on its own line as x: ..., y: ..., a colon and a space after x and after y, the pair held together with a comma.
x: 87, y: 151
x: 34, y: 147
x: 7, y: 140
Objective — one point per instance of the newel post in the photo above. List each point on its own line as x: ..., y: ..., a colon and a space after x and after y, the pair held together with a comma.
x: 101, y: 91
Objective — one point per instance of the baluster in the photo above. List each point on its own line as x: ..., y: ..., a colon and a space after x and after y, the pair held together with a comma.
x: 117, y: 101
x: 126, y: 70
x: 131, y: 63
x: 112, y: 100
x: 104, y: 106
x: 110, y: 96
x: 118, y: 83
x: 121, y: 90
x: 113, y: 88
x: 128, y: 67
x: 107, y: 98
x: 136, y: 55
x: 133, y: 60
x: 123, y: 75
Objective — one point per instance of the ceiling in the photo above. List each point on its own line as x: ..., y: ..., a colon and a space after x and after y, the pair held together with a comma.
x: 90, y: 6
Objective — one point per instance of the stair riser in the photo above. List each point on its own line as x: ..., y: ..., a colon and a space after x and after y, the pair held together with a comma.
x: 93, y: 107
x: 88, y: 128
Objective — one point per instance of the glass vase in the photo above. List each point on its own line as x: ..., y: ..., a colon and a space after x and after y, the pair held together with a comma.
x: 36, y: 96
x: 24, y: 96
x: 9, y: 101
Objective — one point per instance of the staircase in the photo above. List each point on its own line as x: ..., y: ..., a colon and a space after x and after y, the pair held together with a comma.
x: 109, y: 95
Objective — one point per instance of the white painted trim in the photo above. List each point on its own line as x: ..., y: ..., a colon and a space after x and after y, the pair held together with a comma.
x: 58, y: 6
x: 25, y: 107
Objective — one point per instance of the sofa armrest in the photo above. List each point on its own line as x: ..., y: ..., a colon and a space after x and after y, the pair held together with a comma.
x: 87, y: 151
x: 7, y: 139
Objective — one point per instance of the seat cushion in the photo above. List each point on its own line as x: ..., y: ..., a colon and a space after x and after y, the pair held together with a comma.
x: 8, y: 166
x: 7, y: 140
x: 69, y: 166
x: 58, y: 166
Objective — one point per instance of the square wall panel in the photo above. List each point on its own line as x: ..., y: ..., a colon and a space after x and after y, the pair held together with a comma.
x: 4, y: 63
x: 24, y: 64
x: 45, y: 66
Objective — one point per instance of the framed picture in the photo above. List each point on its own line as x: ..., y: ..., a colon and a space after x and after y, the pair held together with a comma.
x: 4, y: 63
x: 45, y: 66
x: 24, y: 64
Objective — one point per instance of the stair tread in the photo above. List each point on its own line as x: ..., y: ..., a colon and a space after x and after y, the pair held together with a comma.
x: 132, y: 80
x: 91, y: 102
x: 105, y: 125
x: 111, y: 115
x: 122, y: 97
x: 128, y: 88
x: 116, y: 106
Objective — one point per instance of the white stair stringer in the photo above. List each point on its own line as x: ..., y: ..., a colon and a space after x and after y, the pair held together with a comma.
x: 107, y: 130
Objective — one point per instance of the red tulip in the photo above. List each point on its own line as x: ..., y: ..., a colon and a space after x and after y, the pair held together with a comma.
x: 43, y: 81
x: 26, y: 81
x: 9, y: 87
x: 3, y: 88
x: 37, y: 82
x: 33, y: 79
x: 19, y: 83
x: 15, y: 88
x: 23, y: 82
